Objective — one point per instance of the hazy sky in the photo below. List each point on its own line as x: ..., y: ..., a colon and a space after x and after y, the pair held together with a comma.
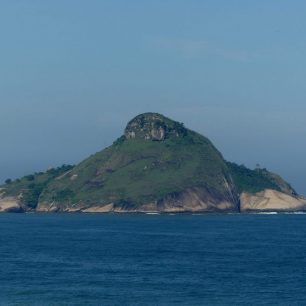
x: 72, y: 73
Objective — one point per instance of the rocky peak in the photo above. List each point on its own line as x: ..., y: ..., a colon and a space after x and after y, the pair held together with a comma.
x: 153, y: 126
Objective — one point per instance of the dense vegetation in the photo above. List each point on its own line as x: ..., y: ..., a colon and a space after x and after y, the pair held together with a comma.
x: 155, y: 158
x: 253, y: 181
x: 30, y: 187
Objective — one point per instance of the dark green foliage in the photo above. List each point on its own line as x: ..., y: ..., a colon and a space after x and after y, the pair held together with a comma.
x: 179, y: 127
x: 60, y: 170
x: 30, y: 177
x: 31, y: 195
x: 31, y: 186
x: 64, y: 195
x: 8, y: 181
x: 125, y: 204
x: 119, y: 141
x: 251, y: 181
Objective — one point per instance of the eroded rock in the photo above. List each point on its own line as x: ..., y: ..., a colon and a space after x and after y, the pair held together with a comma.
x: 10, y: 204
x: 153, y: 126
x: 271, y: 200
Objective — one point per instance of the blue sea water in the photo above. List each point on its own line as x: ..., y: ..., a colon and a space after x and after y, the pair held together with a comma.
x: 96, y: 259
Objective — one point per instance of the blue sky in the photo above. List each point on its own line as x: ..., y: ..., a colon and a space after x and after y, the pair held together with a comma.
x: 74, y: 72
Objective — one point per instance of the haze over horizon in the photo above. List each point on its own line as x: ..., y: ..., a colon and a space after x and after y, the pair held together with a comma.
x: 73, y: 75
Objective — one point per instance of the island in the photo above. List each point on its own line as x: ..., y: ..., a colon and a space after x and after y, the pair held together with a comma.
x: 157, y: 165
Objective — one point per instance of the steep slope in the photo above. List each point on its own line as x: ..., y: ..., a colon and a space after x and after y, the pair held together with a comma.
x: 157, y: 165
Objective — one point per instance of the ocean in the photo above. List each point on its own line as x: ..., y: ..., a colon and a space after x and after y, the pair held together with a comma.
x: 137, y: 259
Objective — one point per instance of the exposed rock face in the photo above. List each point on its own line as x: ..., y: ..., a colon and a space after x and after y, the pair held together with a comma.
x: 152, y: 126
x: 192, y: 200
x: 196, y: 199
x: 48, y: 207
x: 10, y: 204
x: 271, y: 200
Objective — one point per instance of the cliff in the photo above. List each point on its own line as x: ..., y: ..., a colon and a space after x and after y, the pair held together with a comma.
x: 271, y: 200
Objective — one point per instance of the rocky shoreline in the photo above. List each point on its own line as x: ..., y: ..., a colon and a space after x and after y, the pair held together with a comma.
x: 265, y: 201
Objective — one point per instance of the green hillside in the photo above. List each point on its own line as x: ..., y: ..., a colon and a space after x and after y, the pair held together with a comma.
x: 30, y: 187
x: 160, y: 158
x: 253, y: 181
x: 156, y: 159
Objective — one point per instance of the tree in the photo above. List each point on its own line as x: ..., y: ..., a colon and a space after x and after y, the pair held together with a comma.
x: 8, y: 181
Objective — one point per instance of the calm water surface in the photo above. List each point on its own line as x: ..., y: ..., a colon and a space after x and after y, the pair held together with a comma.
x: 83, y: 259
